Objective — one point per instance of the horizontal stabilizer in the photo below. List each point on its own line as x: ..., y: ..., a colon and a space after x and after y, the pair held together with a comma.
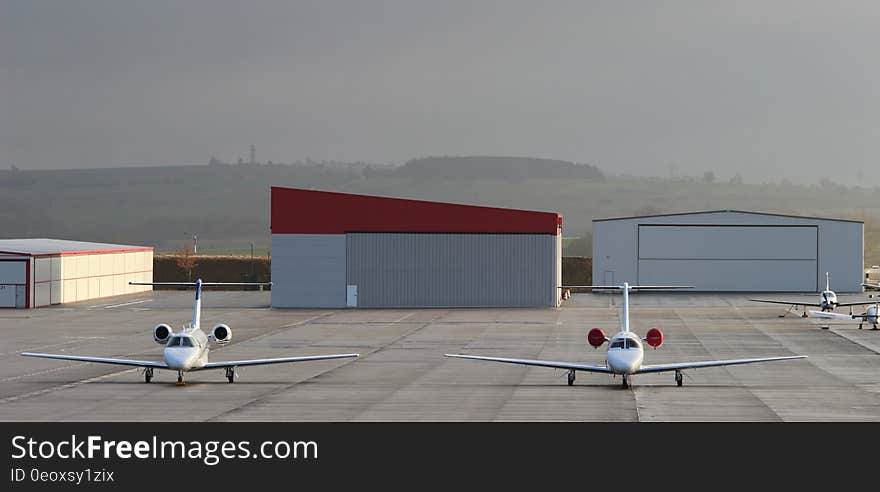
x: 204, y: 284
x: 631, y: 287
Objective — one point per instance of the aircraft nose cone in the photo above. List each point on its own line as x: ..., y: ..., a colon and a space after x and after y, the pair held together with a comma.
x: 178, y: 358
x: 626, y: 362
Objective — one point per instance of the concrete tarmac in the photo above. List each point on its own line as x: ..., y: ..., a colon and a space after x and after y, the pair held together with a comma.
x: 403, y: 376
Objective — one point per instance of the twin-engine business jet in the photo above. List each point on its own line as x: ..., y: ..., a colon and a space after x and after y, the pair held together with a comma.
x: 827, y: 301
x: 625, y: 351
x: 187, y: 350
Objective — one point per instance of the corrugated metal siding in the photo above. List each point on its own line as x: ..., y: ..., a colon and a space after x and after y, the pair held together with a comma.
x: 308, y: 270
x: 452, y: 270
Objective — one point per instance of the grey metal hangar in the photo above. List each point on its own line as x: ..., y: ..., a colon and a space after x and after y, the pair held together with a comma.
x: 343, y: 250
x: 730, y: 251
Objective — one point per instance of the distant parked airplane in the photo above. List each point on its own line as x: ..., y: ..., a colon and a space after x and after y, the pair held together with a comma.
x: 187, y: 350
x: 625, y: 352
x: 870, y: 316
x: 827, y: 301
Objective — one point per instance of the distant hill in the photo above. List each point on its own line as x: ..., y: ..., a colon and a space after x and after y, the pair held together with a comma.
x: 491, y: 167
x: 227, y: 206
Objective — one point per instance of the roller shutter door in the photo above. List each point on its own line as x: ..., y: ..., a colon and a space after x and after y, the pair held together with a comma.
x: 451, y: 270
x: 730, y: 258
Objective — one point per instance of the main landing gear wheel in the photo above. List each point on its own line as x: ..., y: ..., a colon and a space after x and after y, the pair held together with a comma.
x: 625, y: 384
x: 230, y: 374
x: 148, y: 374
x: 571, y: 377
x: 678, y: 378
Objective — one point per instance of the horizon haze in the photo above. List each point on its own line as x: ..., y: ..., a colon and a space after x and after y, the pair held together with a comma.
x: 781, y: 90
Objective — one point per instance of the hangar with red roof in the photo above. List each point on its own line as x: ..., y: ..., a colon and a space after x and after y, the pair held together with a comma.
x: 334, y: 250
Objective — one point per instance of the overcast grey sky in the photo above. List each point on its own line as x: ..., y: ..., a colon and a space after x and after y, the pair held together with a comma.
x: 762, y: 88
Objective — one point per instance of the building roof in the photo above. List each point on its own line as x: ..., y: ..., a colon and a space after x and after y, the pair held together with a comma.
x: 43, y: 247
x: 297, y: 211
x: 726, y: 211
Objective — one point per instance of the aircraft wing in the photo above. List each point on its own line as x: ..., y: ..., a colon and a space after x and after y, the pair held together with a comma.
x: 258, y: 362
x: 542, y: 363
x: 865, y: 303
x: 789, y: 303
x: 823, y: 314
x: 711, y: 363
x: 121, y: 362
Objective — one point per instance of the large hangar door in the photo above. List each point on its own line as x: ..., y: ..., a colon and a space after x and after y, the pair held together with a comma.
x: 13, y: 280
x: 451, y: 270
x: 730, y: 258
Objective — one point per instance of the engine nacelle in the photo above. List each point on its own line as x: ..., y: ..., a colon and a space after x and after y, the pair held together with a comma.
x: 654, y: 337
x: 221, y: 334
x: 596, y: 337
x: 161, y: 333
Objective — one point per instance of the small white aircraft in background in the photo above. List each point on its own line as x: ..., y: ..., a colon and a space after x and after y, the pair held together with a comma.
x: 187, y: 350
x: 827, y: 301
x: 870, y: 316
x: 625, y: 352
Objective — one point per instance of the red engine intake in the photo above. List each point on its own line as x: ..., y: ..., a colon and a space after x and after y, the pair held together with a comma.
x: 596, y: 337
x: 654, y: 337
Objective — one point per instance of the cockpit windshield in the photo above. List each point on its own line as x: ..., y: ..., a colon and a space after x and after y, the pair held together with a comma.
x: 625, y: 343
x: 632, y: 343
x: 180, y: 342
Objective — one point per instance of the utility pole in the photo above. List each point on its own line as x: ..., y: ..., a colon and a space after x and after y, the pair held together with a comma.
x: 195, y: 242
x: 253, y: 154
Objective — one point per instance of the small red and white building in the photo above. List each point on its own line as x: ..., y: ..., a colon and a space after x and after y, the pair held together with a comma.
x: 41, y: 272
x: 343, y: 250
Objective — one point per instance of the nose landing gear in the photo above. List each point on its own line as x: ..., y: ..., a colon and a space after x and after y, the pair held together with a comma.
x: 625, y: 384
x: 180, y: 378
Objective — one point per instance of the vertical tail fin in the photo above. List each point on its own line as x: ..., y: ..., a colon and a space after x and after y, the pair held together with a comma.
x: 827, y: 282
x: 625, y: 288
x: 198, y: 284
x: 197, y: 307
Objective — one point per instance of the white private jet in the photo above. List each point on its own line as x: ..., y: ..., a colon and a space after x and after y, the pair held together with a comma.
x: 187, y: 350
x: 625, y: 352
x: 827, y: 301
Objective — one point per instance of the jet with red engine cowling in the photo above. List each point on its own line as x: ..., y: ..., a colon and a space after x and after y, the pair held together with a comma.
x: 187, y: 350
x: 625, y: 353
